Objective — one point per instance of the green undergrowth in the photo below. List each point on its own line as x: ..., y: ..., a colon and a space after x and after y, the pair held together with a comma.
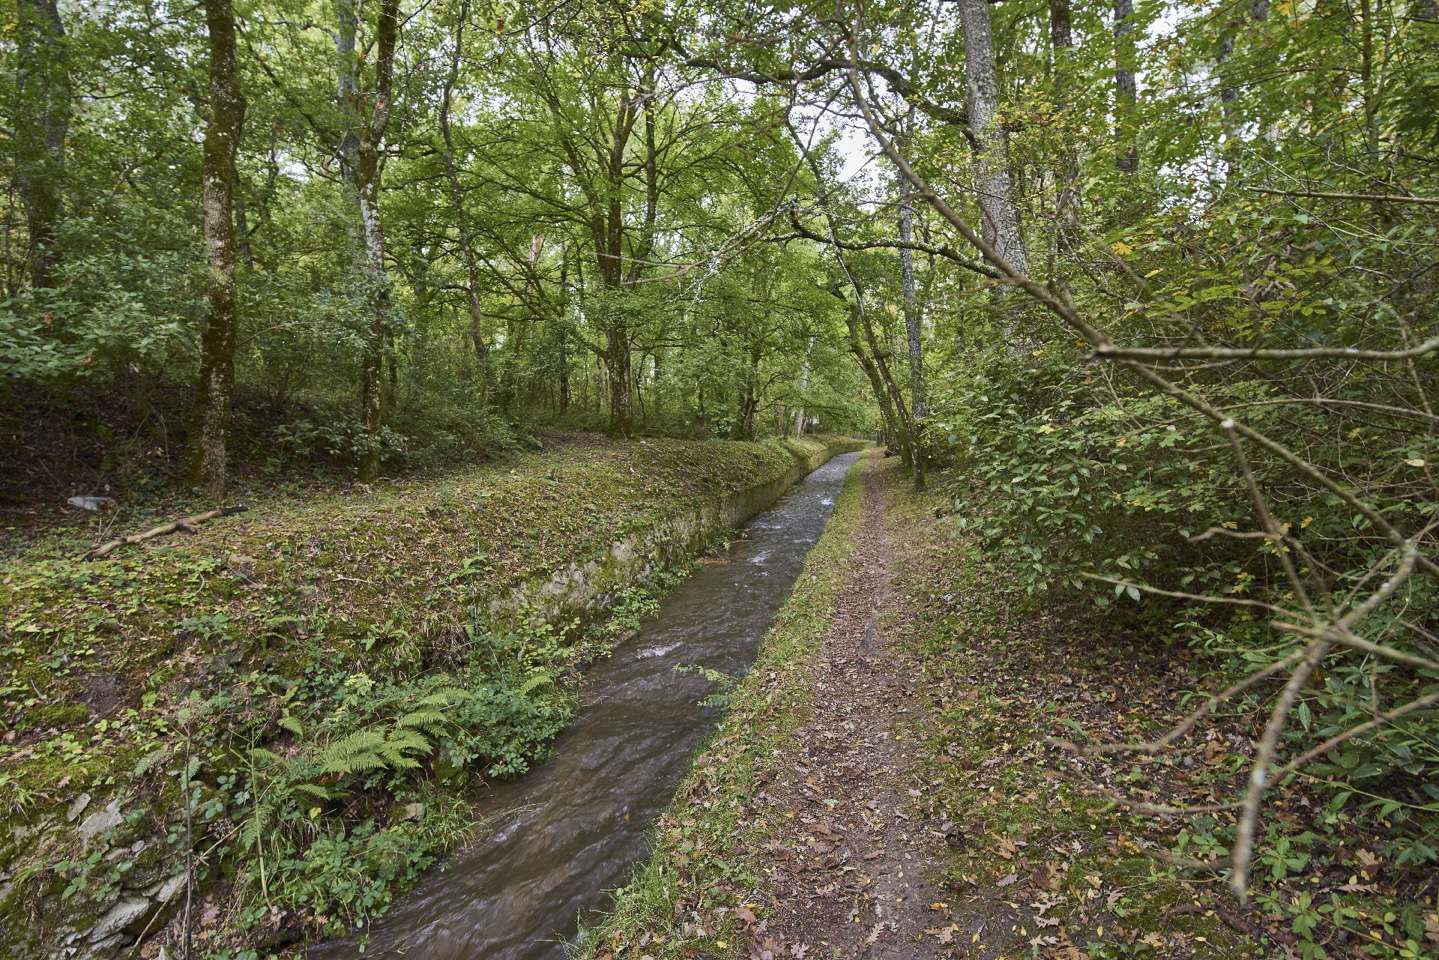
x: 301, y: 695
x: 1027, y: 824
x: 684, y: 900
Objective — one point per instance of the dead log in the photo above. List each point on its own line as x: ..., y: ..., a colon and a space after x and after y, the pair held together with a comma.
x: 186, y: 524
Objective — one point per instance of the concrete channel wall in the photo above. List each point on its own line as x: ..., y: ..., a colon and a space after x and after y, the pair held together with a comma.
x: 585, y: 589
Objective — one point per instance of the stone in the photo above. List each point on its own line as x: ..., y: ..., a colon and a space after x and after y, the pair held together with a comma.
x: 78, y: 807
x: 409, y: 811
x: 170, y: 888
x: 91, y: 503
x: 128, y: 911
x: 105, y: 949
x: 98, y: 823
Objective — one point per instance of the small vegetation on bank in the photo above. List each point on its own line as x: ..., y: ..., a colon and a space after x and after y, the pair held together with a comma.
x: 295, y: 699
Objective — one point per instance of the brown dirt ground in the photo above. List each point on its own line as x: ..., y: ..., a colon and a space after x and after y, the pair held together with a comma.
x: 860, y: 887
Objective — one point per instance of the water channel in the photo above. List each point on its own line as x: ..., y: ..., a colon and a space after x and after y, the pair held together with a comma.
x: 574, y: 827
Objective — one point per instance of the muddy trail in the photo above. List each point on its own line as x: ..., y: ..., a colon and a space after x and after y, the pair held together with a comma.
x: 858, y: 886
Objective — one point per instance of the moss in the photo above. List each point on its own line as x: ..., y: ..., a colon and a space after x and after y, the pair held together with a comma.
x: 265, y: 614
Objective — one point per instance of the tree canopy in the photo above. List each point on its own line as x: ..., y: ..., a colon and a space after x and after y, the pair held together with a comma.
x: 1150, y: 286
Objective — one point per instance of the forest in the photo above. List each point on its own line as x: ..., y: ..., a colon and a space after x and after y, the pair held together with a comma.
x: 1136, y: 298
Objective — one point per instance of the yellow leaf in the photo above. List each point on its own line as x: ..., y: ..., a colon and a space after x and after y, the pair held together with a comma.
x: 1415, y: 462
x: 1122, y: 249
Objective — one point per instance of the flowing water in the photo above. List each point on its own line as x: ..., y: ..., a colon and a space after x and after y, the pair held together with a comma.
x: 574, y: 827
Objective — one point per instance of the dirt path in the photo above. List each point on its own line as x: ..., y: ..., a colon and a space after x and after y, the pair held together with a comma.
x: 852, y: 881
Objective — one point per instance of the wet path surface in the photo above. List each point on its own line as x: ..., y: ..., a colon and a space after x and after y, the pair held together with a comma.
x: 574, y: 827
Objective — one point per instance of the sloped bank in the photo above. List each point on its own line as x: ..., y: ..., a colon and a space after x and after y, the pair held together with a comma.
x: 295, y: 701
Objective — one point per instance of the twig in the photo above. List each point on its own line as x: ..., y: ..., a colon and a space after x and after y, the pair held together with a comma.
x: 1187, y: 724
x: 1276, y: 535
x: 1259, y: 771
x: 1336, y: 740
x: 187, y: 524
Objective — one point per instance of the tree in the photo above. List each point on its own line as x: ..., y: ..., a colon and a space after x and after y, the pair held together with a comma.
x: 999, y: 215
x: 41, y: 123
x: 365, y: 116
x: 215, y: 390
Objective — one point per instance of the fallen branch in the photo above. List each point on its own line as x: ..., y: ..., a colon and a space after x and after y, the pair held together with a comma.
x: 186, y: 524
x: 1112, y: 351
x: 1328, y: 195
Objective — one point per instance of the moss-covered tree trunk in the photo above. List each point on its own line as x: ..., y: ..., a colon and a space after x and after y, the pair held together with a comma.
x: 999, y: 215
x: 211, y: 413
x: 42, y: 82
x: 366, y: 114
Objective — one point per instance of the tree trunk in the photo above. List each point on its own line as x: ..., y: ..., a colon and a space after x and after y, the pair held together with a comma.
x: 912, y: 336
x: 887, y: 411
x: 617, y: 378
x: 42, y: 82
x: 462, y: 224
x: 1061, y: 45
x: 360, y: 157
x: 999, y: 217
x: 1127, y: 159
x: 211, y: 414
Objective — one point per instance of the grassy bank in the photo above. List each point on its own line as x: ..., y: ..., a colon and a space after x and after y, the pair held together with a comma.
x: 692, y: 893
x: 1084, y: 856
x: 296, y: 697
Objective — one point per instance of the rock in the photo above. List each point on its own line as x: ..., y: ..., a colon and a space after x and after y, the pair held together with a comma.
x: 105, y: 949
x: 128, y: 911
x: 98, y: 823
x: 78, y: 807
x: 410, y: 811
x: 170, y: 888
x: 91, y: 503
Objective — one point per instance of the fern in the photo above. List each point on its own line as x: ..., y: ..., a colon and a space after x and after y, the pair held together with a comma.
x: 423, y: 719
x: 353, y: 754
x: 370, y: 749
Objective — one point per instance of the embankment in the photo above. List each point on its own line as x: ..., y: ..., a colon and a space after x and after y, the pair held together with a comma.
x: 270, y: 724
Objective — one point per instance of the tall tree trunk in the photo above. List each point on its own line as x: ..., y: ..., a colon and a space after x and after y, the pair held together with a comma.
x: 1127, y: 159
x: 462, y: 223
x: 42, y: 81
x: 242, y: 230
x: 999, y: 216
x: 918, y: 403
x: 211, y: 414
x: 360, y: 157
x: 893, y: 426
x: 1061, y: 45
x: 617, y: 378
